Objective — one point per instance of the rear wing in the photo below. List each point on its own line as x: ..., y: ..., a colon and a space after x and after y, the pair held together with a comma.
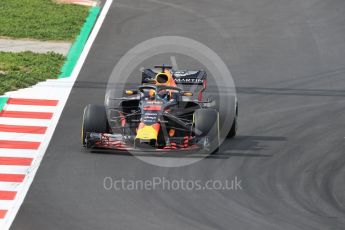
x: 189, y: 78
x: 181, y: 77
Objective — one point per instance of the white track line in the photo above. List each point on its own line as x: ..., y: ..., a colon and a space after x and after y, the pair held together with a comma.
x: 21, y: 137
x: 6, y: 204
x: 10, y: 186
x: 12, y: 169
x: 30, y: 108
x: 17, y: 154
x: 35, y: 92
x: 24, y: 121
x: 17, y: 151
x: 61, y: 93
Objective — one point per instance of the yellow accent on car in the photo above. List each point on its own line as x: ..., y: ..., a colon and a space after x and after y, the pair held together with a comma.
x: 147, y: 133
x: 187, y: 94
x: 129, y: 92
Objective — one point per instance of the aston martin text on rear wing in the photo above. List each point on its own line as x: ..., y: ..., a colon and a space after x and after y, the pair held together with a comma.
x: 181, y: 77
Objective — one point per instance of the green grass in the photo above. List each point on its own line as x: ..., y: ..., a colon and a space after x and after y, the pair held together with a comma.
x: 20, y: 70
x: 41, y: 19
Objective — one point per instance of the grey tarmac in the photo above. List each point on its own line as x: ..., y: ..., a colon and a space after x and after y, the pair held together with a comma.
x: 287, y: 59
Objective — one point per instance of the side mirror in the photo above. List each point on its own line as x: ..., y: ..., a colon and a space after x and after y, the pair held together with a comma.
x: 186, y: 93
x: 131, y: 92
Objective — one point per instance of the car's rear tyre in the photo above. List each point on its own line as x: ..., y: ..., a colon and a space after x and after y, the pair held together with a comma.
x: 206, y: 127
x: 233, y: 131
x: 94, y: 121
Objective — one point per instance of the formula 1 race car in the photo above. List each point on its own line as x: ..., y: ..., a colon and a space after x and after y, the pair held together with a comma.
x: 156, y: 116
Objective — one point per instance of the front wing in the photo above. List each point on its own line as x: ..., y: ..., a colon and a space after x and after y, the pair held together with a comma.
x: 119, y: 142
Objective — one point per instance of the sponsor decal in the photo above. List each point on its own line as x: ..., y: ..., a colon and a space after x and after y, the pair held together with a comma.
x: 180, y: 80
x: 154, y: 102
x: 184, y: 73
x: 189, y: 80
x: 150, y: 118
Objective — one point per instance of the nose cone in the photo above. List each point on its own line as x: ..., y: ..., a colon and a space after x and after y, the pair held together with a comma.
x: 147, y: 132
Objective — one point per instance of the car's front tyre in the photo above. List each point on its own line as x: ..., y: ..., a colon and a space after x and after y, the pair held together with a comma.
x: 206, y: 128
x: 94, y: 121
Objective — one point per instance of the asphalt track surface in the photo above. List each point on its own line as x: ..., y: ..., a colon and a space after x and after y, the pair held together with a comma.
x: 288, y: 62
